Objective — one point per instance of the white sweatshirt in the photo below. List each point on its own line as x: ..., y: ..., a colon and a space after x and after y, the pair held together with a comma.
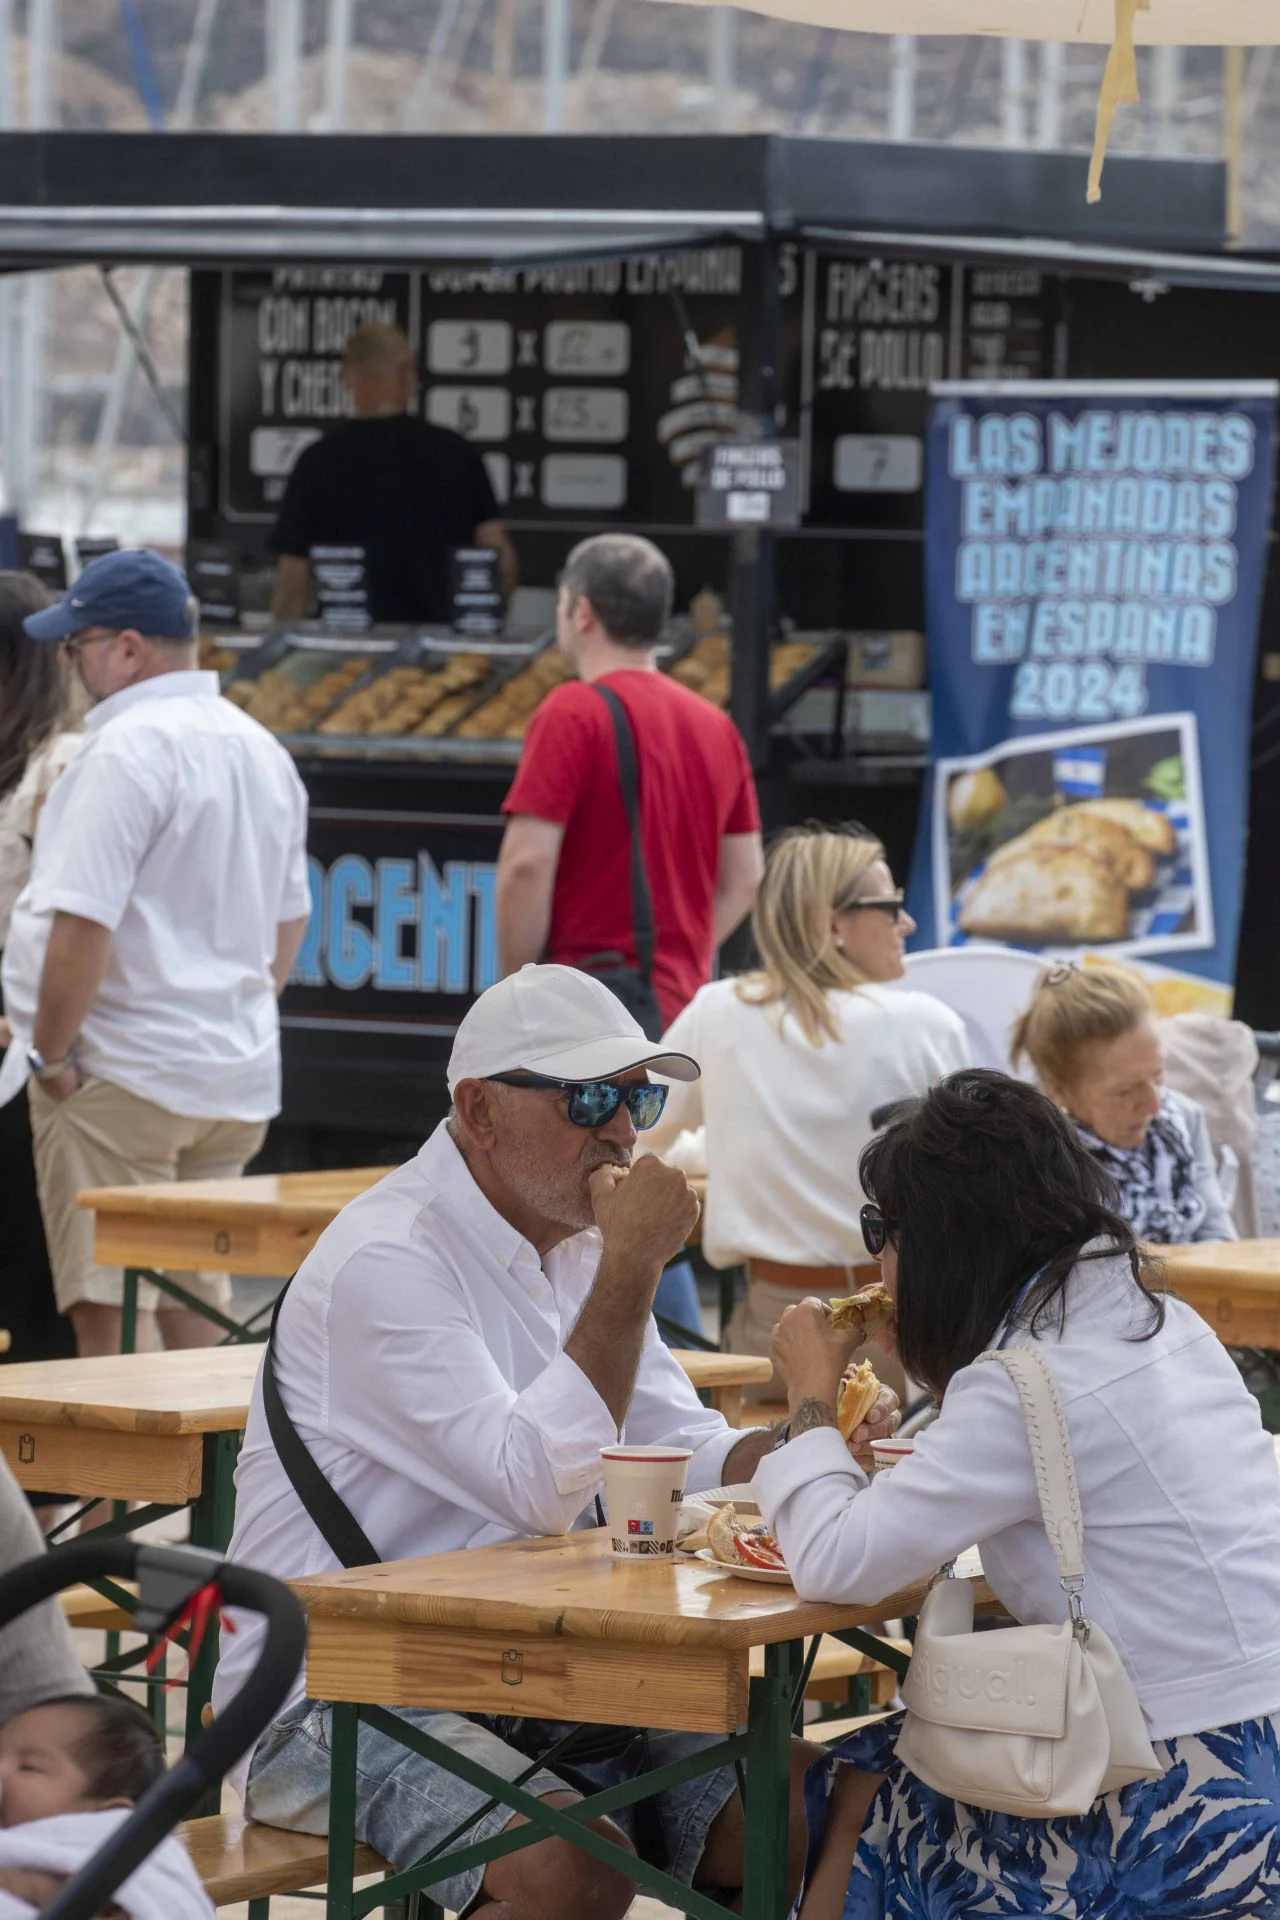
x: 786, y: 1121
x: 1178, y: 1484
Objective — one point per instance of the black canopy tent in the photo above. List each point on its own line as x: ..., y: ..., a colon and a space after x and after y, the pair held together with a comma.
x: 217, y: 204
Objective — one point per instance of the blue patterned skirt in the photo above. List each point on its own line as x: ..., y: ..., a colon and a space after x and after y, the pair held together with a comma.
x: 1202, y: 1843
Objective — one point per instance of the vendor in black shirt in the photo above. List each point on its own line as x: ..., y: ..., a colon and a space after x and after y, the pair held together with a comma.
x: 405, y: 491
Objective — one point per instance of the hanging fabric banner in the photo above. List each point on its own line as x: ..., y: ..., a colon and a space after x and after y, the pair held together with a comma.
x: 1094, y: 567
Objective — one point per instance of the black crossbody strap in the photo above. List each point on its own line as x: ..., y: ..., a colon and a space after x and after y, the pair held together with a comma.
x: 629, y: 778
x: 345, y: 1538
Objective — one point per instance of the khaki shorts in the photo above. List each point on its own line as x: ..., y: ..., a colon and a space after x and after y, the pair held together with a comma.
x: 105, y: 1137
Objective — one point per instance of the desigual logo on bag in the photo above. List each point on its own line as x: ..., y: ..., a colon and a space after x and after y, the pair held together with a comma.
x: 942, y: 1681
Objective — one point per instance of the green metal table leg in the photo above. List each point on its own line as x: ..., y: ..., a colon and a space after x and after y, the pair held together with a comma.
x: 343, y: 1735
x: 764, y: 1884
x: 212, y: 1518
x: 129, y: 1312
x: 260, y: 1909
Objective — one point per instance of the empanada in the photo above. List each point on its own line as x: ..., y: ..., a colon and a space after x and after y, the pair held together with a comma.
x: 1047, y: 891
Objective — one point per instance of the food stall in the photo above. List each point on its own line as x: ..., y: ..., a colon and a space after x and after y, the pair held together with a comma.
x: 606, y: 320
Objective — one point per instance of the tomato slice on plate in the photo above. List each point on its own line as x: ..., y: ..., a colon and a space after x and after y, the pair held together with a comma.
x: 758, y: 1550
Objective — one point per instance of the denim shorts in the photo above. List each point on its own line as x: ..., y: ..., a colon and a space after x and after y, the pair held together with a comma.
x: 405, y: 1805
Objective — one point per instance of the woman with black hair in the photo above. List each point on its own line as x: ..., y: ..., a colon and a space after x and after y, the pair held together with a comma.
x: 37, y: 741
x: 996, y: 1228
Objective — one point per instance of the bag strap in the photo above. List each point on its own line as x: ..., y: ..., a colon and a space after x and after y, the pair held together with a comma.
x: 629, y: 778
x: 1051, y: 1457
x: 342, y: 1533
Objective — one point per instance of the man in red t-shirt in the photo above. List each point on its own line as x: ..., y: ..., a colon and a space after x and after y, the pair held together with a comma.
x: 564, y: 878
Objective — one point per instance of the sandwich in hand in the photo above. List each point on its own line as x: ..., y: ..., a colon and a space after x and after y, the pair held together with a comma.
x: 857, y: 1395
x: 737, y: 1542
x: 868, y: 1312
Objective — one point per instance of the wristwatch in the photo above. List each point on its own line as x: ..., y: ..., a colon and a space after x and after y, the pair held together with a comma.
x: 781, y: 1437
x: 46, y: 1069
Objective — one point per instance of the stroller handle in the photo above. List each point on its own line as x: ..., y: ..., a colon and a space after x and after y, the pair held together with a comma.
x: 167, y: 1578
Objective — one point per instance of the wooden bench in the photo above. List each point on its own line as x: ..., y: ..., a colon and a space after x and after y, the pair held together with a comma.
x: 836, y: 1665
x: 239, y: 1859
x: 89, y: 1611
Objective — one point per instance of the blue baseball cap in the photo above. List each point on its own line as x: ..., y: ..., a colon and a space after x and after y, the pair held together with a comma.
x: 133, y: 588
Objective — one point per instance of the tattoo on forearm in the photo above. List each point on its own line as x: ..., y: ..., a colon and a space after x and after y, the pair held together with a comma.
x: 812, y: 1413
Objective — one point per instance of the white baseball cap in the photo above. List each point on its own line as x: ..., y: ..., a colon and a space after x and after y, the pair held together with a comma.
x: 558, y: 1022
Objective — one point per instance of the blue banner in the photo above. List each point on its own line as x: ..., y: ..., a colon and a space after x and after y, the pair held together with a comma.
x: 1094, y: 569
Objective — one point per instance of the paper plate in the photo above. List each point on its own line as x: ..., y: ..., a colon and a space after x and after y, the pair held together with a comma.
x: 765, y: 1575
x: 742, y: 1497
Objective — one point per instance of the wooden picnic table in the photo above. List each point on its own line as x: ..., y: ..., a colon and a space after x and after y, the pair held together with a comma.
x: 1233, y: 1284
x: 261, y: 1223
x: 267, y: 1224
x: 161, y: 1428
x: 558, y: 1629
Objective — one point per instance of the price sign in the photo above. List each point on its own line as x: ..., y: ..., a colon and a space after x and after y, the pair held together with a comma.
x: 213, y: 568
x: 756, y: 483
x: 43, y: 555
x: 341, y: 588
x: 93, y: 549
x: 477, y: 593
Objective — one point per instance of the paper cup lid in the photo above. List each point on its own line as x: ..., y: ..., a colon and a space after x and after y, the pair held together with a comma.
x: 652, y: 1456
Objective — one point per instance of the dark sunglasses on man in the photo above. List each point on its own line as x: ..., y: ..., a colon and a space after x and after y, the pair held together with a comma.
x: 593, y: 1103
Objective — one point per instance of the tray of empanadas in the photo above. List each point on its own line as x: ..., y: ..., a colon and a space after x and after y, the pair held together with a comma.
x: 795, y: 662
x: 290, y: 686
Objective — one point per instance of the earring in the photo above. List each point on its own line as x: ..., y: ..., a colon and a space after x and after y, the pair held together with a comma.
x: 839, y: 946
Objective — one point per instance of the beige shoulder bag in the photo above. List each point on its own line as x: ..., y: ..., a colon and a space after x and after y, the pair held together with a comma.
x: 1037, y: 1721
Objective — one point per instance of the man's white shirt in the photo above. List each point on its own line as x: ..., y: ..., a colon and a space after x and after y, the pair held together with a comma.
x: 180, y: 826
x: 420, y: 1355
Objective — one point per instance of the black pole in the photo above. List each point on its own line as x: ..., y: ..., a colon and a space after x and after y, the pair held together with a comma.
x: 752, y: 549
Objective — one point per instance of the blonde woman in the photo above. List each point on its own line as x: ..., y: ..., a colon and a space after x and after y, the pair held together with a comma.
x: 1090, y: 1034
x: 795, y: 1059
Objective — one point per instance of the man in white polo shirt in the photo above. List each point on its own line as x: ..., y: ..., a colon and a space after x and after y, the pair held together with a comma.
x: 167, y: 901
x: 452, y: 1356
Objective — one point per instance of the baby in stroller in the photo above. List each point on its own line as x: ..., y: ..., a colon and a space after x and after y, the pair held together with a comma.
x: 70, y: 1771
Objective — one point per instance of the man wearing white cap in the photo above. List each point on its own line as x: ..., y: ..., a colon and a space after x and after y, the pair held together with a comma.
x: 453, y: 1354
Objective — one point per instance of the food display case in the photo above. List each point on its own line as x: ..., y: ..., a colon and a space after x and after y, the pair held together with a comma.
x: 429, y: 697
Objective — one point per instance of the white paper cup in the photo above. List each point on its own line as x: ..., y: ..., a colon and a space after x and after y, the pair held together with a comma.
x: 643, y: 1488
x: 887, y: 1453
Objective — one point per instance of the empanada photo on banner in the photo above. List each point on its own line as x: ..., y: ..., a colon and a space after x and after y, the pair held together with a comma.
x: 1091, y: 837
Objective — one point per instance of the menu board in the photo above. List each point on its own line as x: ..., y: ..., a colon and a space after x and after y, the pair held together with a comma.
x: 1008, y: 325
x: 283, y: 334
x: 878, y: 333
x: 589, y: 400
x: 575, y: 381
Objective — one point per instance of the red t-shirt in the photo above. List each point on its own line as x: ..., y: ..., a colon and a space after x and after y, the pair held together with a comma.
x: 695, y: 786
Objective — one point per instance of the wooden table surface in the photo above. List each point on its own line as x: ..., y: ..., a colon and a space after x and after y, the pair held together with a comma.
x: 203, y: 1390
x: 558, y: 1629
x: 1233, y: 1284
x: 197, y: 1390
x: 125, y: 1427
x: 260, y: 1223
x: 572, y: 1587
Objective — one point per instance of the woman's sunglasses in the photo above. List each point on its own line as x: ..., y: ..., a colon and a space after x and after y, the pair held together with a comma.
x: 593, y: 1103
x: 875, y: 1229
x: 893, y: 904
